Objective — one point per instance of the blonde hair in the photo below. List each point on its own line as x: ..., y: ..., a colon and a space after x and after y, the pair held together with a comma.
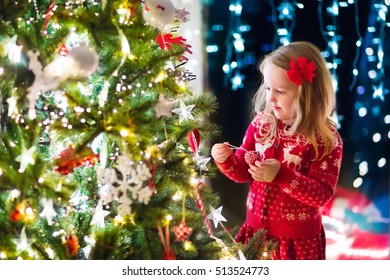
x: 314, y: 103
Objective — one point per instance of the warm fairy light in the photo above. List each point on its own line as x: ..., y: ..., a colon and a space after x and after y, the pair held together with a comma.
x: 118, y: 220
x: 169, y: 218
x: 78, y: 109
x: 1, y: 71
x: 1, y: 172
x: 188, y: 246
x: 14, y: 194
x: 29, y: 213
x: 40, y: 180
x: 124, y: 15
x: 182, y: 84
x: 265, y: 254
x: 124, y: 133
x: 194, y: 181
x: 177, y: 196
x: 160, y: 77
x: 2, y: 255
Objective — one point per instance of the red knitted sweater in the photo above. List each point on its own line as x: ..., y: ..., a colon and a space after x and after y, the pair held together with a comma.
x: 289, y: 206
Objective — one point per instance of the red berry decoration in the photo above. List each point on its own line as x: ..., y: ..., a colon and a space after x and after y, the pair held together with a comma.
x: 251, y: 157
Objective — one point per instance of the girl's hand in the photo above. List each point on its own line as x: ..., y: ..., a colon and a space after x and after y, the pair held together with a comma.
x: 264, y: 171
x: 220, y: 152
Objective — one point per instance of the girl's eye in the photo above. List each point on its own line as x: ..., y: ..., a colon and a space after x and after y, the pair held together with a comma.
x: 267, y: 88
x: 279, y: 91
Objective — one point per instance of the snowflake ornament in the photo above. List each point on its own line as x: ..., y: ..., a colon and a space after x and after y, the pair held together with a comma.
x: 127, y: 188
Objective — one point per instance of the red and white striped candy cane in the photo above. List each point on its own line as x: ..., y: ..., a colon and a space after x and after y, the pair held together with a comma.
x: 200, y: 204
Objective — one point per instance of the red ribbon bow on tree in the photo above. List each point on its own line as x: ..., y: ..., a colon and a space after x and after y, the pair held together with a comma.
x: 301, y: 69
x: 166, y: 41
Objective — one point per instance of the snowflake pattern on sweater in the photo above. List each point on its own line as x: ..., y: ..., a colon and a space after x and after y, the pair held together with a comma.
x: 289, y: 206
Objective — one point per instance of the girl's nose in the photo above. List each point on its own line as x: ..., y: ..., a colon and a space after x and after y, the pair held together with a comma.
x: 272, y: 95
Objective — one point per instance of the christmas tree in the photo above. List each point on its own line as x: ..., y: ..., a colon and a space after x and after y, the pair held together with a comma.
x: 103, y: 149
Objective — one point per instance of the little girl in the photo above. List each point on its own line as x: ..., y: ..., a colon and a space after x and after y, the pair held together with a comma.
x: 291, y: 153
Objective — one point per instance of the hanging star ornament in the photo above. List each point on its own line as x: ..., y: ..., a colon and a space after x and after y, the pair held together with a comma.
x: 25, y: 158
x: 12, y: 108
x: 99, y: 215
x: 22, y: 243
x: 48, y: 211
x: 201, y: 163
x: 164, y: 107
x: 184, y: 111
x: 182, y: 14
x: 216, y: 216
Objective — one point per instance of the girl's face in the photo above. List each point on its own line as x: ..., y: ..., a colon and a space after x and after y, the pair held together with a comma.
x: 281, y: 92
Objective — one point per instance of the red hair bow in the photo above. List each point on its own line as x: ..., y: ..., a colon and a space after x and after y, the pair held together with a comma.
x: 301, y: 69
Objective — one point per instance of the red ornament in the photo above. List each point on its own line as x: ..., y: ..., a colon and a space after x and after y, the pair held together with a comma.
x: 69, y: 160
x: 15, y: 215
x: 169, y: 254
x: 182, y: 232
x: 18, y: 213
x: 72, y: 244
x: 251, y: 157
x: 193, y: 138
